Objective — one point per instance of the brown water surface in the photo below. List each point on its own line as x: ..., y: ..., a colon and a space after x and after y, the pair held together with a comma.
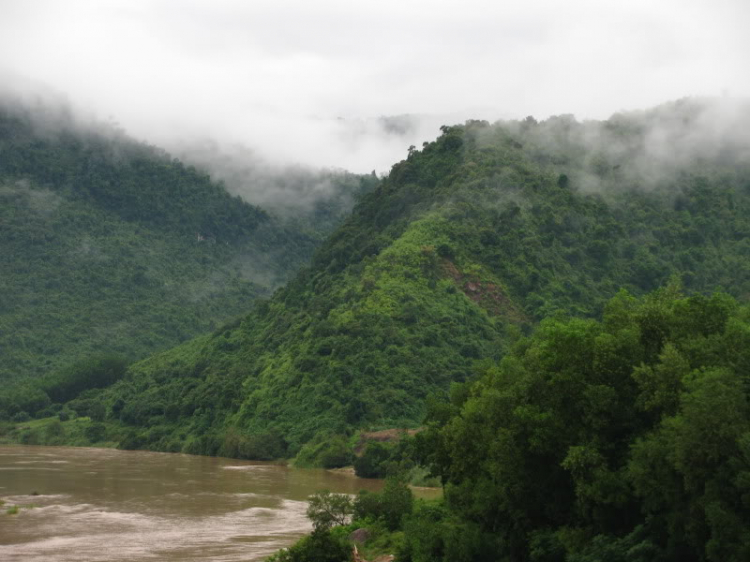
x: 108, y: 505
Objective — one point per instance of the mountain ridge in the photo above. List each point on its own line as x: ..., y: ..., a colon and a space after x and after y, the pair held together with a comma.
x: 463, y: 247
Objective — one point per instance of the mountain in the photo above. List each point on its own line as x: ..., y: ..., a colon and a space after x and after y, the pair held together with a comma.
x: 462, y: 249
x: 108, y: 245
x: 562, y: 306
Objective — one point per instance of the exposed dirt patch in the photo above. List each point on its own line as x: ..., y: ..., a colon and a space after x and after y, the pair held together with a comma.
x: 345, y: 470
x: 383, y: 436
x: 489, y: 296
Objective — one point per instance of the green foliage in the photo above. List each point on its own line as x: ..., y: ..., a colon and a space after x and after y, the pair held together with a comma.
x: 619, y: 440
x: 462, y: 249
x: 258, y: 446
x: 433, y: 534
x: 55, y: 432
x: 109, y: 245
x: 325, y: 451
x: 97, y: 371
x: 389, y: 506
x: 96, y: 432
x: 327, y: 510
x: 373, y: 462
x: 320, y: 546
x: 396, y: 502
x: 634, y: 547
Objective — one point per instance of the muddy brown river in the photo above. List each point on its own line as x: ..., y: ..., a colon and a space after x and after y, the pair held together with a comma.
x: 81, y: 504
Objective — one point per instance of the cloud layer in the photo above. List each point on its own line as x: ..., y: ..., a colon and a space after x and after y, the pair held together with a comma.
x: 305, y: 82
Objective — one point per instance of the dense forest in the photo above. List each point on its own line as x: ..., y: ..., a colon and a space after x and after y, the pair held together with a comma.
x: 466, y: 245
x: 109, y: 245
x: 620, y: 440
x: 559, y: 304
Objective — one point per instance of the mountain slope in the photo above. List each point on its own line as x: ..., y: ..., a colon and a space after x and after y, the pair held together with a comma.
x: 466, y: 244
x: 109, y: 245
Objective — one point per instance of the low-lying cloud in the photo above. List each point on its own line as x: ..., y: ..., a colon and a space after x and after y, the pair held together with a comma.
x: 309, y: 82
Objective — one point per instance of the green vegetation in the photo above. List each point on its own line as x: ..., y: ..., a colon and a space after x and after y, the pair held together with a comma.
x: 336, y: 518
x: 320, y: 546
x: 625, y: 439
x: 461, y: 250
x: 562, y: 302
x: 325, y: 451
x: 109, y: 246
x: 327, y: 510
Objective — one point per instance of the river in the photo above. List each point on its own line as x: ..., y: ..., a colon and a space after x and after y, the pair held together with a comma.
x: 109, y: 505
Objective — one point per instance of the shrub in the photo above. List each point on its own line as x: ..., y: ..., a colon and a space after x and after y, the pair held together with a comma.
x: 327, y: 510
x: 325, y: 451
x: 21, y: 417
x: 374, y: 461
x: 96, y: 432
x: 264, y: 446
x: 54, y: 430
x: 389, y: 506
x: 320, y: 546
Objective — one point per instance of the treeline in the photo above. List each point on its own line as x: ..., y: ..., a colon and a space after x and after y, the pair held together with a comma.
x: 45, y: 396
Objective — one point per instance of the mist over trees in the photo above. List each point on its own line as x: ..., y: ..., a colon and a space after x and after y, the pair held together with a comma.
x: 562, y: 303
x: 111, y: 245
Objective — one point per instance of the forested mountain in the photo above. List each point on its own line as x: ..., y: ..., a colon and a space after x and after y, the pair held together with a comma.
x: 562, y: 305
x: 464, y: 247
x: 110, y: 245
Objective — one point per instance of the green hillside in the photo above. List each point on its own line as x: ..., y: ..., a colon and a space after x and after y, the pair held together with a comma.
x: 620, y: 440
x: 110, y: 245
x: 625, y: 440
x: 561, y: 305
x: 463, y: 248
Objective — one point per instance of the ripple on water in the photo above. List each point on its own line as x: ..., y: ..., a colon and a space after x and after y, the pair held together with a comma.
x: 142, y: 507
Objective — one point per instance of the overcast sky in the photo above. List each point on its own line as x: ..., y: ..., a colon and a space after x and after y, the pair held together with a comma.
x: 302, y: 81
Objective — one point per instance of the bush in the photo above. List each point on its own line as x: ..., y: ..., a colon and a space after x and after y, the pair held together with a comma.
x: 367, y: 506
x: 54, y: 430
x: 320, y: 546
x: 389, y: 506
x: 264, y: 446
x: 327, y: 510
x: 21, y: 417
x: 96, y: 432
x: 325, y: 451
x: 29, y: 437
x: 397, y: 501
x: 374, y: 461
x: 93, y: 372
x: 336, y: 454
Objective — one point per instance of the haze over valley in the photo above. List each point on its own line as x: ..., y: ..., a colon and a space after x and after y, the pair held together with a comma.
x: 487, y: 264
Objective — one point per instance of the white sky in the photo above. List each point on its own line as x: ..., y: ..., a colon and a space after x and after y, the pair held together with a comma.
x: 277, y: 75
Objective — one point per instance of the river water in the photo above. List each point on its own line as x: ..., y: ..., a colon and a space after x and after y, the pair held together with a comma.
x: 108, y: 505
